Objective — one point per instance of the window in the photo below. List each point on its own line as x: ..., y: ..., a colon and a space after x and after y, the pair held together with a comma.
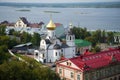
x: 78, y: 77
x: 67, y: 63
x: 56, y: 53
x: 70, y: 37
x: 60, y: 71
x: 43, y: 55
x: 71, y: 74
x: 36, y: 54
x: 61, y: 50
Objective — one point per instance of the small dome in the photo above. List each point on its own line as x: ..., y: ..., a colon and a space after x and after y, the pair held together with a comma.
x: 51, y: 25
x: 57, y: 46
x: 47, y: 41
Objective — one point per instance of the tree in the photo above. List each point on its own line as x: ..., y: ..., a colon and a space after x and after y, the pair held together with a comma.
x: 6, y: 40
x: 110, y: 37
x: 17, y: 70
x: 25, y: 37
x: 36, y: 39
x: 80, y: 33
x: 16, y: 33
x: 4, y: 55
x: 11, y: 31
x: 97, y: 36
x: 103, y: 36
x: 92, y: 40
x: 2, y: 29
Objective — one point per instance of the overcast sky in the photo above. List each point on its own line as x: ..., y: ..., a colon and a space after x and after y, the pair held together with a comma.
x: 56, y: 1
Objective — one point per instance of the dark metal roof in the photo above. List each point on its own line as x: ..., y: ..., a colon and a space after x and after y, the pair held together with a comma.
x: 23, y: 45
x: 24, y: 20
x: 57, y: 46
x: 64, y: 45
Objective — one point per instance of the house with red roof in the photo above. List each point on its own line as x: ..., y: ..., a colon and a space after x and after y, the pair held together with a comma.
x: 104, y: 65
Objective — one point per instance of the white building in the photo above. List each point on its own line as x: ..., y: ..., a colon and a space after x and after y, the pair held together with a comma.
x: 51, y: 48
x: 22, y: 22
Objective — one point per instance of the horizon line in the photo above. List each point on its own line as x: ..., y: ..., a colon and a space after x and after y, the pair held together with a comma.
x: 59, y: 2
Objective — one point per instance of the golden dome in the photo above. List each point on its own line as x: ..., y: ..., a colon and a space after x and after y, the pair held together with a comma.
x: 51, y: 25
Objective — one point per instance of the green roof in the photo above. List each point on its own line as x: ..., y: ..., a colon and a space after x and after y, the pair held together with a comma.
x: 82, y: 43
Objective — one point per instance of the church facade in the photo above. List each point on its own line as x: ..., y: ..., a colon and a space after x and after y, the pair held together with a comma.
x: 51, y: 48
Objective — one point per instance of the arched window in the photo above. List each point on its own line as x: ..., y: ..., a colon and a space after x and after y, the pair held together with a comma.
x: 43, y: 42
x: 61, y: 50
x: 56, y: 54
x: 70, y: 37
x: 50, y: 60
x: 43, y: 55
x: 36, y: 54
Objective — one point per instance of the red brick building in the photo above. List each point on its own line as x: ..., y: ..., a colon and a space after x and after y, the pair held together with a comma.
x: 100, y: 66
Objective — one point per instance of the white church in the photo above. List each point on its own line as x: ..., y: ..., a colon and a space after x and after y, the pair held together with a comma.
x: 51, y: 48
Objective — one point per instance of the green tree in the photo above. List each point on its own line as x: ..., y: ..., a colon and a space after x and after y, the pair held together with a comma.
x: 110, y: 37
x: 103, y: 36
x: 91, y: 39
x: 11, y: 31
x: 97, y: 36
x: 36, y: 39
x: 25, y: 37
x: 6, y: 40
x: 2, y: 29
x: 4, y: 55
x: 17, y: 70
x: 80, y: 33
x: 16, y: 33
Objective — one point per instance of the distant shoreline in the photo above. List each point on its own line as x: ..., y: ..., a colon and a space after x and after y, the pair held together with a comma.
x: 65, y: 5
x: 23, y: 10
x: 51, y: 12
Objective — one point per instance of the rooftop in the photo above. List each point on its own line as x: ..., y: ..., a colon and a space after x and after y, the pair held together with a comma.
x: 24, y: 20
x: 98, y: 60
x: 82, y: 43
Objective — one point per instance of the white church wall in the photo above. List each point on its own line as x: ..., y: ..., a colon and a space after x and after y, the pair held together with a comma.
x: 70, y: 40
x: 42, y: 44
x: 57, y: 54
x: 57, y: 41
x: 69, y: 52
x: 49, y: 55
